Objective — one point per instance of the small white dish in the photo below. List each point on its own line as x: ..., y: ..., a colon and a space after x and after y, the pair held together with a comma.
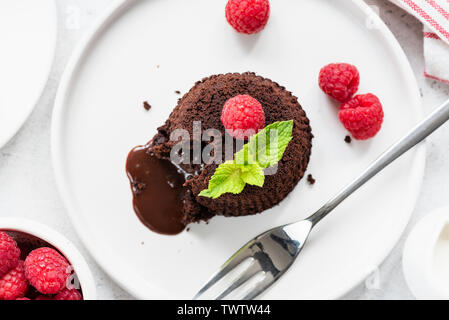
x: 28, y: 29
x: 61, y: 243
x: 425, y: 259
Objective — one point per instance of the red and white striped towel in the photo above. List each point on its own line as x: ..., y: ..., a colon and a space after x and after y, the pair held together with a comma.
x: 434, y: 14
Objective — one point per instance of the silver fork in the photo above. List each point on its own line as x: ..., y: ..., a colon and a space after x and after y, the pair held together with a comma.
x: 273, y: 252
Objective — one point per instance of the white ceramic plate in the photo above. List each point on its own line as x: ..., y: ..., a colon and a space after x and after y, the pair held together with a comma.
x: 28, y: 30
x: 99, y: 117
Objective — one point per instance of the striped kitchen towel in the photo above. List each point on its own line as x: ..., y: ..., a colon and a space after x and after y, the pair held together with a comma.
x: 434, y: 14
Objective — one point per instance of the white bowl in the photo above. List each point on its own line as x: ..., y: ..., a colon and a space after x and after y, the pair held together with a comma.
x: 59, y: 242
x: 425, y: 259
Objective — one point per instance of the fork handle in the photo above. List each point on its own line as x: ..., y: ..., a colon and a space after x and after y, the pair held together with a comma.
x: 416, y: 135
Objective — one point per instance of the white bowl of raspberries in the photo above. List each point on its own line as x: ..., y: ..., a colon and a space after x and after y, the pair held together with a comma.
x: 38, y: 263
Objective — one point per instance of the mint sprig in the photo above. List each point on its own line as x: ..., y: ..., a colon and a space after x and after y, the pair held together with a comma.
x: 263, y: 150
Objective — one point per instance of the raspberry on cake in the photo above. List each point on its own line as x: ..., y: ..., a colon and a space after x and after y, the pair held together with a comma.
x: 339, y: 80
x: 243, y: 116
x: 154, y: 203
x: 248, y: 16
x: 362, y: 116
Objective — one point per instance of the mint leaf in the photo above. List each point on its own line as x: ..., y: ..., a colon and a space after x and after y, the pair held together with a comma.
x: 243, y: 157
x: 263, y: 150
x: 253, y: 174
x: 232, y: 178
x: 268, y: 146
x: 227, y: 178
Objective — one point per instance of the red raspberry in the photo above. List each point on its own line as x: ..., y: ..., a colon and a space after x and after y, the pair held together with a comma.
x: 9, y: 253
x: 14, y: 284
x: 47, y: 270
x: 248, y: 16
x: 69, y: 294
x: 243, y: 116
x: 41, y: 297
x: 339, y: 80
x: 362, y: 116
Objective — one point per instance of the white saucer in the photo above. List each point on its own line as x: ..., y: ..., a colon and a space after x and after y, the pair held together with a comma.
x: 28, y: 30
x: 425, y: 259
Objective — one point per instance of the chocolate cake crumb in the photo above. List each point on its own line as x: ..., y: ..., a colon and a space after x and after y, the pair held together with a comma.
x: 311, y: 180
x: 138, y: 187
x: 178, y: 92
x: 348, y: 139
x: 188, y: 229
x: 146, y: 105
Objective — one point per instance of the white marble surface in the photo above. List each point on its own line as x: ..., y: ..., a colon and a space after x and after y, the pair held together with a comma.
x: 28, y: 188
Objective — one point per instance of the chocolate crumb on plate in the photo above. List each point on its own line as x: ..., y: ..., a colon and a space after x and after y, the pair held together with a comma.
x: 146, y: 105
x: 348, y: 139
x: 178, y: 92
x: 310, y: 179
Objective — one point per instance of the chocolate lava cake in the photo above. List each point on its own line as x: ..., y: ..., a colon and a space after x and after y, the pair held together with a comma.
x: 204, y: 102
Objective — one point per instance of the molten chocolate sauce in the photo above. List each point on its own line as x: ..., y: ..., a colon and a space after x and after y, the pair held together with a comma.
x: 157, y: 187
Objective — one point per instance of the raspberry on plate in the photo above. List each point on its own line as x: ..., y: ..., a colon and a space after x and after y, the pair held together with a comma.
x: 69, y: 294
x: 243, y: 116
x: 362, y: 116
x: 14, y: 284
x: 248, y: 16
x: 9, y: 253
x: 47, y: 270
x: 339, y: 80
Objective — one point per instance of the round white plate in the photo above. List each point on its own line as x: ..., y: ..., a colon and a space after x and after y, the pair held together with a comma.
x: 28, y: 30
x: 145, y: 50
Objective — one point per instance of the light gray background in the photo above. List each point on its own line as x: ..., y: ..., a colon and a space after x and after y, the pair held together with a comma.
x: 28, y: 187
